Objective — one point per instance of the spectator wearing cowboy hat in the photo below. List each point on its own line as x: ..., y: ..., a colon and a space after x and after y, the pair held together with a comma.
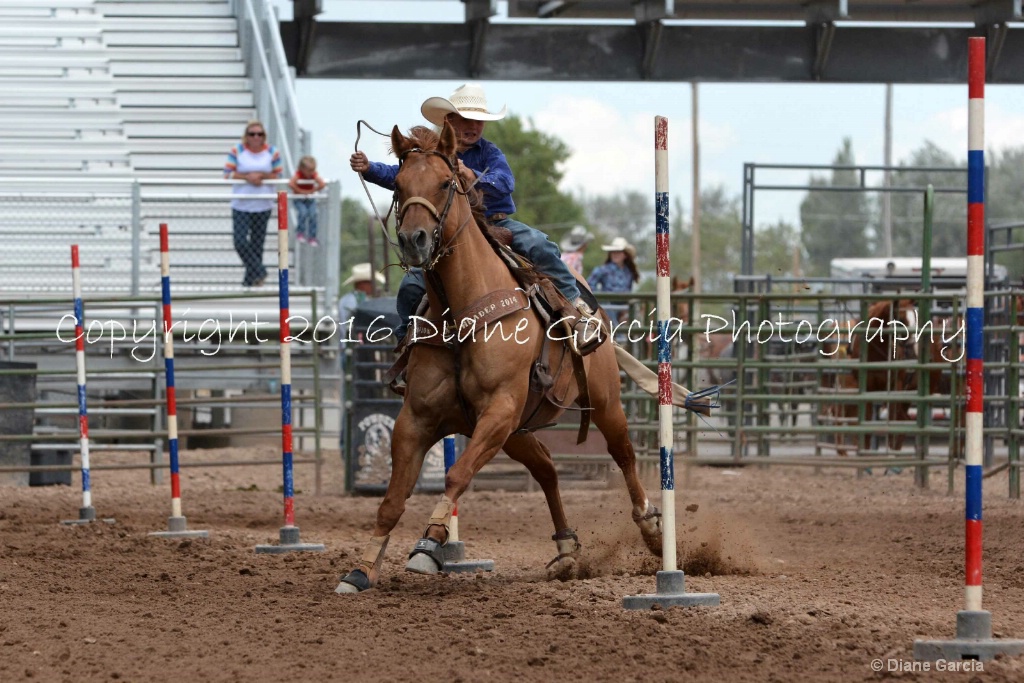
x: 361, y: 279
x: 573, y: 245
x: 618, y: 273
x: 480, y: 161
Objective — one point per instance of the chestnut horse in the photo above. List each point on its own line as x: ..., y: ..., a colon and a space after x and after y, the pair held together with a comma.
x: 881, y: 347
x: 480, y: 388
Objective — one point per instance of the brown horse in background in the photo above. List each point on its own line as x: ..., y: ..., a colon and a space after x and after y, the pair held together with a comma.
x: 881, y: 347
x: 481, y: 388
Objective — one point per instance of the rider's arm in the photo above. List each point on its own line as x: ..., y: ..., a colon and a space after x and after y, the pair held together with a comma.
x: 498, y: 180
x: 381, y: 174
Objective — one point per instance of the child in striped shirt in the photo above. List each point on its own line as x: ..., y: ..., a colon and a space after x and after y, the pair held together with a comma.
x: 306, y: 181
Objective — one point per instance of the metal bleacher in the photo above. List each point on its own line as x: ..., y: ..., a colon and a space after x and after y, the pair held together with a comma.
x: 117, y: 116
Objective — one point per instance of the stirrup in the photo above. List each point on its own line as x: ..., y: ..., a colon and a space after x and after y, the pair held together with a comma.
x: 587, y: 330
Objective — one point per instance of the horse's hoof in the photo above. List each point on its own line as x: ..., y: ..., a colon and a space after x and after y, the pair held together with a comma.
x: 650, y: 529
x: 422, y: 564
x: 563, y: 568
x: 426, y: 557
x: 344, y: 588
x: 356, y: 581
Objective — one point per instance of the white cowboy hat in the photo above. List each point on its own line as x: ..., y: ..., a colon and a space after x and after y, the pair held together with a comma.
x: 363, y: 272
x: 577, y: 238
x: 619, y: 244
x: 468, y: 100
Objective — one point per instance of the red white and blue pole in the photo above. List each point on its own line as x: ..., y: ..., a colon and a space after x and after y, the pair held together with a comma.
x: 289, y: 532
x: 663, y: 302
x: 975, y: 315
x: 176, y: 523
x: 86, y: 513
x: 286, y: 360
x: 671, y: 581
x: 449, y: 462
x: 973, y: 624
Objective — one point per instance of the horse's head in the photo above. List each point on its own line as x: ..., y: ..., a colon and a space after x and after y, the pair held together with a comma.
x: 426, y: 188
x: 682, y: 308
x: 888, y: 315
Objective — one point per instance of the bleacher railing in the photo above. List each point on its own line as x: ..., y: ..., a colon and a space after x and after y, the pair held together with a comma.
x: 115, y: 222
x: 273, y: 88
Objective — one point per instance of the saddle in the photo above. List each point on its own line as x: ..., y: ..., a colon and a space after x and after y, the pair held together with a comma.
x: 549, y: 381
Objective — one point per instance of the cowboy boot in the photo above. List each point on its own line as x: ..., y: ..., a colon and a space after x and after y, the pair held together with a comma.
x: 584, y: 327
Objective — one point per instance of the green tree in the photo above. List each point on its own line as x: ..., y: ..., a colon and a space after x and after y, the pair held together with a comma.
x: 949, y: 231
x: 835, y: 224
x: 778, y: 250
x: 720, y: 229
x: 628, y: 214
x: 535, y: 158
x: 1005, y: 203
x: 357, y: 225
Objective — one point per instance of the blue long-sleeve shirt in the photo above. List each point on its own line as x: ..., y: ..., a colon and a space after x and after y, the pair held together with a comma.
x: 610, y: 277
x: 496, y: 184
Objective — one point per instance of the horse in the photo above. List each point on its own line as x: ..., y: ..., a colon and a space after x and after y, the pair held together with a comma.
x: 881, y: 346
x: 481, y: 386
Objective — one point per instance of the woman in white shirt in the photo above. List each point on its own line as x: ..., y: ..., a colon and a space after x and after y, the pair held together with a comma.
x: 253, y: 161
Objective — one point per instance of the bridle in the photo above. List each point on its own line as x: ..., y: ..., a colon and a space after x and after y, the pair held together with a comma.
x: 440, y: 247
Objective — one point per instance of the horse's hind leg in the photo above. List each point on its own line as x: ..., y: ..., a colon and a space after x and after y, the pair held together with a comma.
x: 409, y: 443
x: 528, y: 449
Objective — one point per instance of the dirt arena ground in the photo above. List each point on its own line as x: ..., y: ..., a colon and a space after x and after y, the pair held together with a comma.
x: 818, y: 576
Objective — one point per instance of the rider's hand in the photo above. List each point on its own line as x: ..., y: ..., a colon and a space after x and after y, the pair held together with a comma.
x: 467, y: 174
x: 359, y: 162
x: 254, y: 178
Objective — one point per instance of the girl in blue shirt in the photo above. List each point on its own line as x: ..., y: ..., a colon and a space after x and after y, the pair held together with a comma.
x: 618, y: 273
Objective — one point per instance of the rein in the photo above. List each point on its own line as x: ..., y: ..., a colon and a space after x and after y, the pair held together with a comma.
x: 417, y: 201
x: 383, y: 222
x: 441, y: 247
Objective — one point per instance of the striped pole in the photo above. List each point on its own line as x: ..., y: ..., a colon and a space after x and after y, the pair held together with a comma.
x: 176, y: 523
x: 455, y: 550
x: 671, y: 587
x: 289, y: 532
x: 449, y: 461
x: 663, y: 302
x: 975, y: 313
x: 973, y: 624
x: 86, y: 513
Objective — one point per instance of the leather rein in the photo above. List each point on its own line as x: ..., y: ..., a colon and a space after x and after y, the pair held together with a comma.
x: 441, y: 247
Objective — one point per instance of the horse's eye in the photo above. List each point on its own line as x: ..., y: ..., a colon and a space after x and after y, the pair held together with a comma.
x: 446, y: 184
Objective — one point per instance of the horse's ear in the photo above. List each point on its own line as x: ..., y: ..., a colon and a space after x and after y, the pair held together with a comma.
x: 447, y: 143
x: 689, y: 285
x: 399, y: 143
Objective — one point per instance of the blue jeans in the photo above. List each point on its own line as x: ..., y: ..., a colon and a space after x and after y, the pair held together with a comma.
x: 526, y: 241
x: 305, y: 217
x: 250, y: 232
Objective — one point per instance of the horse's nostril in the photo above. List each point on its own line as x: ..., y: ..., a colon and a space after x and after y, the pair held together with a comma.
x: 420, y: 239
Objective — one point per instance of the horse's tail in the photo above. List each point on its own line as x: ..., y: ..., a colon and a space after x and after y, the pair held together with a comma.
x: 647, y: 380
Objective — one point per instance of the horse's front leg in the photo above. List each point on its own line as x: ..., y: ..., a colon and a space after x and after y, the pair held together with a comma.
x: 493, y: 427
x: 410, y: 440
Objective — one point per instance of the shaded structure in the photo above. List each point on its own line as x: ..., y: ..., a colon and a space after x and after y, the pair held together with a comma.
x: 840, y: 41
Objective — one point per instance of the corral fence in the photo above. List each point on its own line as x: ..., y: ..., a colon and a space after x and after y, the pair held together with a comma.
x: 227, y: 374
x: 781, y: 408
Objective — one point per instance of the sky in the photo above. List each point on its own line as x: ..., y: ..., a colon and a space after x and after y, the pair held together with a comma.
x: 610, y: 126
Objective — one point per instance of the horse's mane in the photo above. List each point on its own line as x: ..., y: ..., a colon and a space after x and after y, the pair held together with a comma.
x: 427, y: 139
x: 884, y: 308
